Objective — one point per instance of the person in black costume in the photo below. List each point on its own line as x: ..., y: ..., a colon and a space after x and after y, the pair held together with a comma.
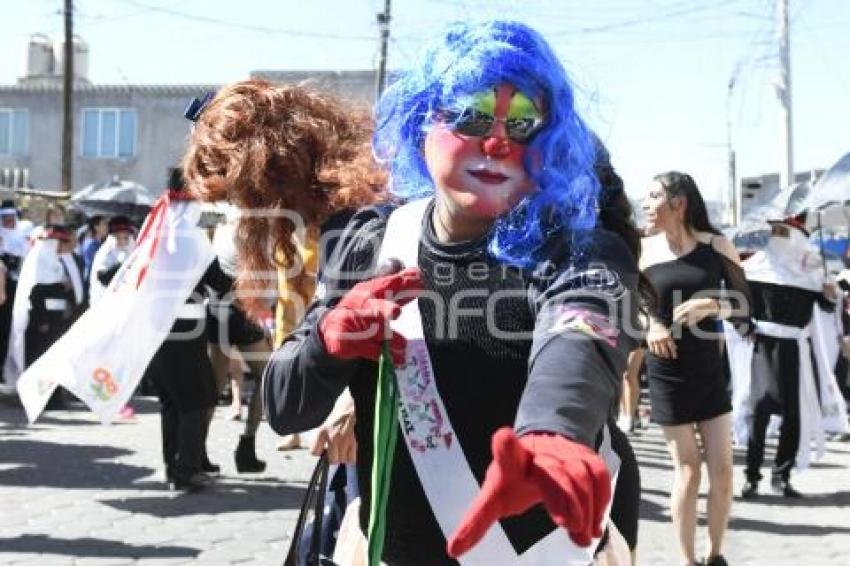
x: 787, y: 283
x: 14, y: 248
x: 183, y: 377
x: 529, y: 396
x: 49, y: 298
x: 55, y: 302
x: 687, y: 261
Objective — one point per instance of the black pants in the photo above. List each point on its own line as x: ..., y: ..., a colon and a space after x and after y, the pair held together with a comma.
x: 842, y: 377
x: 36, y: 342
x: 778, y: 359
x: 182, y: 375
x: 625, y: 506
x: 183, y: 439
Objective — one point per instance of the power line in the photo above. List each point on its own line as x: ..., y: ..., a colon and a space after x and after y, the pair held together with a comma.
x: 249, y: 27
x: 691, y: 10
x: 631, y: 40
x: 826, y: 58
x: 588, y: 32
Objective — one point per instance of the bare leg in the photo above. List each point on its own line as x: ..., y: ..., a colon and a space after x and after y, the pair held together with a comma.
x: 256, y: 356
x: 682, y: 444
x: 631, y: 386
x: 220, y: 362
x: 236, y: 387
x: 717, y: 443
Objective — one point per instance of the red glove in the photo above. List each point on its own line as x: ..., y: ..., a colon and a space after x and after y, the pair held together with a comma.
x: 569, y: 478
x: 359, y: 324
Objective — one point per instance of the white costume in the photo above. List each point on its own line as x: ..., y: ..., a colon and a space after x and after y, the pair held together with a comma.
x: 787, y: 282
x: 108, y: 255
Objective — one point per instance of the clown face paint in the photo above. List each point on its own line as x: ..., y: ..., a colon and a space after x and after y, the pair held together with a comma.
x: 482, y: 176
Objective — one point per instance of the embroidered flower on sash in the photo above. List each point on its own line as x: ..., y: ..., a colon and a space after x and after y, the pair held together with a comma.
x: 425, y: 426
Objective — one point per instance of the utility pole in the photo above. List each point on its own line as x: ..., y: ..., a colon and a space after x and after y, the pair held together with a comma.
x: 384, y: 27
x: 783, y: 92
x: 68, y: 101
x: 732, y: 194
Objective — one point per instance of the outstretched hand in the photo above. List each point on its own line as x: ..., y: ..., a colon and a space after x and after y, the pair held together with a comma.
x: 359, y: 324
x: 570, y: 479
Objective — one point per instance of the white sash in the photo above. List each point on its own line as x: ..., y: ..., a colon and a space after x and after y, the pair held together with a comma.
x: 741, y: 356
x: 825, y: 343
x: 740, y: 353
x: 439, y: 460
x: 55, y: 304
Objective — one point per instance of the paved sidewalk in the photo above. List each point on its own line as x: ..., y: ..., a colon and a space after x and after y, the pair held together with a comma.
x: 769, y: 530
x: 75, y: 492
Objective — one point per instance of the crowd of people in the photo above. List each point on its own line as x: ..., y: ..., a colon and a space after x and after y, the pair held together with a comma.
x: 474, y: 242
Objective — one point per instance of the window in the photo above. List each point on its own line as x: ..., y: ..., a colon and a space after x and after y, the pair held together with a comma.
x: 14, y: 132
x: 109, y: 132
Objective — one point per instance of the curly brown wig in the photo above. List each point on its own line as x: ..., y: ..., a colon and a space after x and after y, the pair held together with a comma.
x: 279, y: 153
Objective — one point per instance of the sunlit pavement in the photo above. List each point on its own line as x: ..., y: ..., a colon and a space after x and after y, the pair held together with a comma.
x: 766, y: 531
x: 75, y: 492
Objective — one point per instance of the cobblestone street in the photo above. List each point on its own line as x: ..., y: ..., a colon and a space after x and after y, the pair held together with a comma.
x: 75, y: 492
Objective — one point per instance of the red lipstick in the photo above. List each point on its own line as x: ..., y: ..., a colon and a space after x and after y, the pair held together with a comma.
x: 489, y: 177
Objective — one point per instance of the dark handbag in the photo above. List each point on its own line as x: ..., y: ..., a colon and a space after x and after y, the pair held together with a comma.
x: 314, y: 500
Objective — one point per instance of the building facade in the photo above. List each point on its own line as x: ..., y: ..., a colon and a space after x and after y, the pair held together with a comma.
x: 758, y: 191
x: 134, y: 132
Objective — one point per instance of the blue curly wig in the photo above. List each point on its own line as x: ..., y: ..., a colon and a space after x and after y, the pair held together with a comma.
x: 468, y: 58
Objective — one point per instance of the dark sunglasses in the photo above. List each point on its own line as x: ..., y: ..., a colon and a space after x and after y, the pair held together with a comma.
x: 471, y: 122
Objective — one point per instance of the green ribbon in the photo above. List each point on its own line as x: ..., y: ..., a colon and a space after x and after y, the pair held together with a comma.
x: 385, y: 436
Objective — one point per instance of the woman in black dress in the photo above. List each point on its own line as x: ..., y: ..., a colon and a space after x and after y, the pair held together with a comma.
x: 686, y: 260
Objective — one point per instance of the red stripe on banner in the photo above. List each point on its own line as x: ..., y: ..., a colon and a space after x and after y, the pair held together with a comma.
x: 153, y: 226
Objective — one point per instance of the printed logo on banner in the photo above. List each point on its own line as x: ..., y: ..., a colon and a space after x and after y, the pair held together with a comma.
x: 104, y: 385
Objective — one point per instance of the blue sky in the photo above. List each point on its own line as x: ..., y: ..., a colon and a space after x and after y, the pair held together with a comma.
x: 652, y: 75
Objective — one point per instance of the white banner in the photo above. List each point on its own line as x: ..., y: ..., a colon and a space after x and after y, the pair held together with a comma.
x: 103, y: 356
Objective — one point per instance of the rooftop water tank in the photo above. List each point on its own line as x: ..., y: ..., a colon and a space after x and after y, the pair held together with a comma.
x: 40, y: 60
x: 81, y: 58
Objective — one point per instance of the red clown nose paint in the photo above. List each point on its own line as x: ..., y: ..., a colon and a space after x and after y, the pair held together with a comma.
x: 496, y: 147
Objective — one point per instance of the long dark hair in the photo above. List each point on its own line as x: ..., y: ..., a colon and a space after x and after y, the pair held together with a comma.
x: 678, y: 184
x: 696, y: 219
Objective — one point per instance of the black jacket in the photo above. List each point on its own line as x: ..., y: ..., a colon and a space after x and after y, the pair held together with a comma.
x: 546, y: 369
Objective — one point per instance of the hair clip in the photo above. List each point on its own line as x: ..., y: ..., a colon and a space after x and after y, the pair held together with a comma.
x: 193, y: 111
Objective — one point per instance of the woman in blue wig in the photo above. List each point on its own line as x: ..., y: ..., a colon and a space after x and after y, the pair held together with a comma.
x: 509, y: 327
